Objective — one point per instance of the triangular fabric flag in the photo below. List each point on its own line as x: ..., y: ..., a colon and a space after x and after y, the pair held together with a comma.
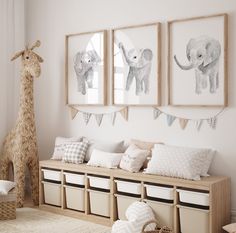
x: 98, y: 118
x: 170, y: 119
x: 183, y: 123
x: 198, y: 124
x: 74, y: 112
x: 212, y: 122
x: 156, y: 113
x: 86, y: 116
x: 124, y: 113
x: 113, y: 118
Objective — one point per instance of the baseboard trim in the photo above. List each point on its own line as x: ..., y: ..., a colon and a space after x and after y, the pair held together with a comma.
x: 233, y: 216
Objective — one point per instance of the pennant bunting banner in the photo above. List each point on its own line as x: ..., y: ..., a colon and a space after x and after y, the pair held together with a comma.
x: 183, y: 123
x: 86, y: 116
x: 124, y: 113
x: 98, y: 118
x: 156, y: 113
x: 74, y: 112
x: 170, y: 119
x: 212, y: 122
x: 198, y: 124
x: 113, y: 118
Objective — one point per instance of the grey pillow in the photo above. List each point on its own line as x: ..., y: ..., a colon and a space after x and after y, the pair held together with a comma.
x: 113, y: 147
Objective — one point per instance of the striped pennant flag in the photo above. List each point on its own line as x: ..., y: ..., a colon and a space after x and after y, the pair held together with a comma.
x: 98, y: 118
x: 86, y: 116
x: 198, y: 124
x: 156, y: 113
x: 212, y: 122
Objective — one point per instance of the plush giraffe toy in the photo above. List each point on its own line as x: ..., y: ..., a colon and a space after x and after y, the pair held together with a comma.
x: 20, y: 145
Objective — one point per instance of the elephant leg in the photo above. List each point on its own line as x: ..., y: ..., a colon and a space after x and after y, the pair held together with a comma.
x: 34, y: 179
x: 83, y: 86
x: 4, y: 171
x: 198, y: 82
x: 130, y: 79
x: 146, y: 85
x: 19, y: 177
x: 212, y: 80
x: 89, y: 78
x: 138, y: 86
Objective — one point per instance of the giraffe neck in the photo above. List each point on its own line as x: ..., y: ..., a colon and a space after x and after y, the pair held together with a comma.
x: 26, y: 111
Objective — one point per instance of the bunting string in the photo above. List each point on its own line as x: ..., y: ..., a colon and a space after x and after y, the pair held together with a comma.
x: 99, y: 116
x: 170, y: 118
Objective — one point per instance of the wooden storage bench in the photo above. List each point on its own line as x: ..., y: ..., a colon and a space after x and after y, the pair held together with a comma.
x: 215, y: 190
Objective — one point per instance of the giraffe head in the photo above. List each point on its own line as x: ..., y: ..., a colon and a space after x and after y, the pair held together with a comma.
x: 30, y: 60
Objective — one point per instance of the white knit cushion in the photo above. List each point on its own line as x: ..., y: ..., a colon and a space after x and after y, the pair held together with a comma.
x: 113, y: 147
x: 133, y: 158
x: 60, y: 143
x: 6, y: 186
x: 104, y: 159
x: 176, y: 161
x: 75, y: 152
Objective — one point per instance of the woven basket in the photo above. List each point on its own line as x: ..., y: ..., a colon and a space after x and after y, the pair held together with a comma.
x: 157, y: 230
x: 8, y: 206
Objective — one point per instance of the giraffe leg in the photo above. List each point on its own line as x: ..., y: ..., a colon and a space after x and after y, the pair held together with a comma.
x: 19, y: 176
x: 34, y: 179
x: 4, y: 174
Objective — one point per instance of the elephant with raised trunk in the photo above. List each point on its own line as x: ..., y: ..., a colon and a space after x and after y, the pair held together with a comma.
x: 139, y: 62
x: 203, y: 53
x: 84, y: 64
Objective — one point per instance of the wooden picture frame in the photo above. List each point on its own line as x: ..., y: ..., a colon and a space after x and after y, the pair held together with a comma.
x: 86, y: 68
x: 202, y: 43
x: 136, y: 70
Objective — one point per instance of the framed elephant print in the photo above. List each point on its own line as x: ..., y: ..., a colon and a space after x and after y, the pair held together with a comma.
x: 136, y: 65
x: 197, y: 61
x: 86, y: 68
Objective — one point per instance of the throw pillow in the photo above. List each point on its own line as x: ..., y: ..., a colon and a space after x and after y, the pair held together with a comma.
x: 6, y: 186
x: 176, y: 161
x: 113, y: 147
x: 75, y: 152
x: 60, y: 143
x: 104, y: 159
x: 133, y: 158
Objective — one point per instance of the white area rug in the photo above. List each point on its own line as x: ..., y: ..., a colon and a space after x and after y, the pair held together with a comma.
x: 30, y: 220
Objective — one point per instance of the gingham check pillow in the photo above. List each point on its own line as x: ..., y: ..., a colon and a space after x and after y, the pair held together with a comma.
x: 75, y: 152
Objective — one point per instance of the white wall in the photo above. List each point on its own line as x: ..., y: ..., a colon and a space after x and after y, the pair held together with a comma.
x: 50, y: 20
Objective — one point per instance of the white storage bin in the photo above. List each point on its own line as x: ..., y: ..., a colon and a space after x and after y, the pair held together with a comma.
x: 99, y: 203
x: 164, y: 212
x: 51, y: 175
x: 193, y: 220
x: 159, y: 192
x: 191, y: 197
x: 52, y: 193
x: 72, y: 178
x: 99, y: 182
x: 123, y: 202
x: 74, y: 198
x: 128, y: 187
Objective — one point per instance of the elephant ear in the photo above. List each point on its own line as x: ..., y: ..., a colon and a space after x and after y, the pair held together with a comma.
x: 77, y: 57
x: 94, y: 56
x: 213, y: 51
x: 189, y: 47
x: 147, y: 54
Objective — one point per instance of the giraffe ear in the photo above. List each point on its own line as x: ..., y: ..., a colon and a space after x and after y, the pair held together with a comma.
x: 17, y: 55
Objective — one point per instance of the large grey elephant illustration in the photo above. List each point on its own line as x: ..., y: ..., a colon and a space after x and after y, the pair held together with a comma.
x: 84, y: 65
x: 139, y: 62
x: 203, y: 54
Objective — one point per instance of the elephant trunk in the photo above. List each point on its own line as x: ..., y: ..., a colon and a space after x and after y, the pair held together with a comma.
x: 189, y: 67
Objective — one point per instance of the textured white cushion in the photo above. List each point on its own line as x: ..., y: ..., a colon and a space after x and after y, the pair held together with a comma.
x: 6, y: 186
x: 75, y: 152
x: 113, y: 147
x: 138, y: 213
x: 182, y: 162
x: 60, y: 144
x: 207, y: 163
x: 104, y: 159
x: 133, y: 158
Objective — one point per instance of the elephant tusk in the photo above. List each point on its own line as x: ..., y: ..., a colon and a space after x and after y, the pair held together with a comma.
x: 189, y: 67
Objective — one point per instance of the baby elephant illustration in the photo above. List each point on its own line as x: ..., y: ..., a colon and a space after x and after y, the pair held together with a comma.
x: 139, y: 62
x: 203, y: 54
x: 84, y: 64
